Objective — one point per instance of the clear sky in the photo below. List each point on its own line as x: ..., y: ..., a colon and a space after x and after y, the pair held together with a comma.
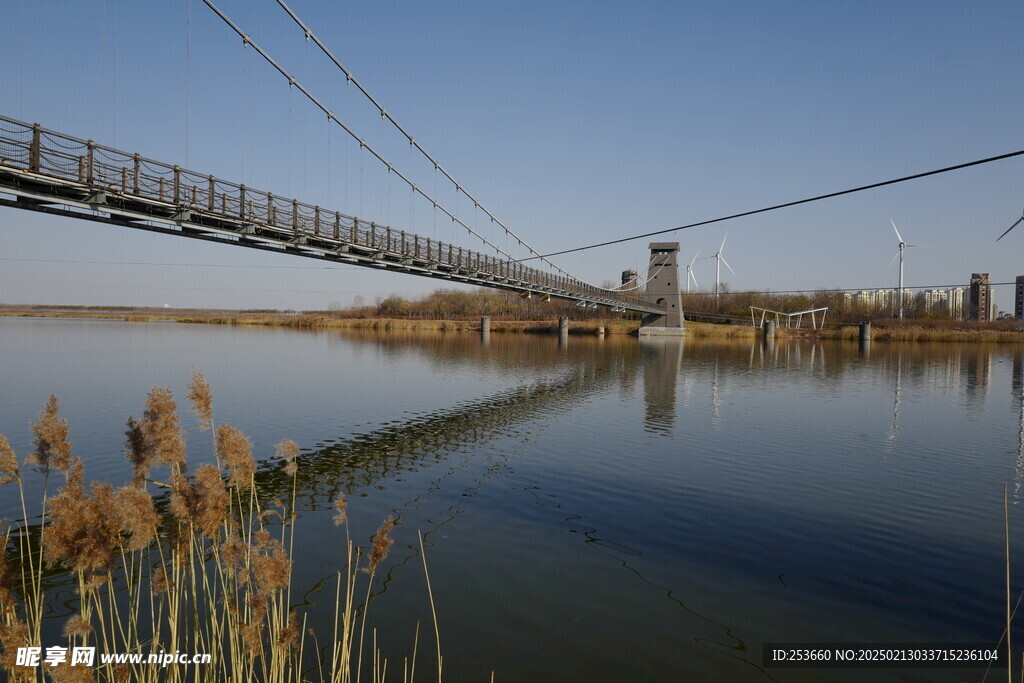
x: 573, y: 122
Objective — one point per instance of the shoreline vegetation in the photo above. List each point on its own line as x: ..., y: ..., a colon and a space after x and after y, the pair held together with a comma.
x: 883, y: 330
x: 179, y: 561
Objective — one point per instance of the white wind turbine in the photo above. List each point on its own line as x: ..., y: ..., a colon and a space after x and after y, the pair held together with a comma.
x: 719, y: 260
x: 690, y: 275
x: 1019, y: 220
x: 903, y: 245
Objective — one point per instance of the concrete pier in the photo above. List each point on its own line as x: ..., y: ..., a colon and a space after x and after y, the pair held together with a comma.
x: 865, y: 331
x: 485, y: 324
x: 563, y: 326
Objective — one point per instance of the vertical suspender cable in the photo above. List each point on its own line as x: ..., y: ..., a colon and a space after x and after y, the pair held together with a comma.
x: 244, y: 112
x: 305, y: 134
x: 188, y: 74
x: 103, y: 71
x: 329, y: 162
x: 113, y: 84
x: 21, y: 62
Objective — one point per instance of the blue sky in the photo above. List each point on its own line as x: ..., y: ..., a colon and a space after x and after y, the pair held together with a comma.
x: 573, y: 122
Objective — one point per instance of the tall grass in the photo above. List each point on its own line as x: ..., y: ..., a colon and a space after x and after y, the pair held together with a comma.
x: 209, y: 570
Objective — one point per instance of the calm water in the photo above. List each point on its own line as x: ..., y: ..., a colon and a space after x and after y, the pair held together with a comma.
x: 604, y: 510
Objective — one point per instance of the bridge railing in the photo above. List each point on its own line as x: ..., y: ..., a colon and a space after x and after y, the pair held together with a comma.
x: 49, y: 153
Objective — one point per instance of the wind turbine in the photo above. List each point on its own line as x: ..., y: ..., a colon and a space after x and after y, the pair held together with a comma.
x: 690, y: 275
x: 1011, y: 227
x: 719, y: 260
x: 903, y: 245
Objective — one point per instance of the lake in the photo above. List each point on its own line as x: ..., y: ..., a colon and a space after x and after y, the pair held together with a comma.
x: 599, y: 509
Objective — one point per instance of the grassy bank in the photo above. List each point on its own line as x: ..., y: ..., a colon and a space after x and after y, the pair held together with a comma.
x: 318, y: 320
x: 882, y: 330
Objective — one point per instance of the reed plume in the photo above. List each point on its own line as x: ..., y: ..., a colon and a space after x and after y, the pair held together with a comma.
x: 202, y: 399
x: 53, y: 449
x: 161, y: 584
x: 382, y: 541
x: 162, y: 429
x: 137, y: 517
x: 83, y: 531
x: 138, y: 450
x: 288, y: 450
x: 341, y: 506
x: 288, y: 636
x: 9, y: 471
x: 12, y: 636
x: 211, y: 500
x: 271, y: 568
x: 203, y: 503
x: 232, y: 552
x: 77, y: 626
x: 235, y: 451
x: 6, y: 584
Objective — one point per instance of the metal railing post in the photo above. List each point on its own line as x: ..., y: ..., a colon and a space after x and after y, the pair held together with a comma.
x: 137, y: 163
x: 337, y: 225
x: 89, y: 161
x: 34, y: 148
x: 295, y: 216
x: 177, y: 182
x: 213, y: 192
x: 241, y: 202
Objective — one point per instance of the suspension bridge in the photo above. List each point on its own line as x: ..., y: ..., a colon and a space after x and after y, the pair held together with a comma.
x: 58, y: 174
x: 55, y: 173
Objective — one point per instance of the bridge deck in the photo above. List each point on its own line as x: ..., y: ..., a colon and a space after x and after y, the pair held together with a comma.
x: 58, y: 174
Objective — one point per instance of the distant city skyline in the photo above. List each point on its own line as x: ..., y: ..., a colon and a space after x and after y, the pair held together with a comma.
x: 573, y: 123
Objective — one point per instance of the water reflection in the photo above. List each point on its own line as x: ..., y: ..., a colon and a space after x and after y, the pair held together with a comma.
x: 978, y: 375
x: 662, y: 359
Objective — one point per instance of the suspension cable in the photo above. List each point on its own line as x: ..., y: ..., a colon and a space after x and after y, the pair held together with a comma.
x: 350, y: 77
x: 363, y: 144
x: 786, y: 205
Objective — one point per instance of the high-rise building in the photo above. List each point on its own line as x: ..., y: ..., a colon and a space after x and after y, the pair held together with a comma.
x: 981, y: 297
x: 955, y: 301
x: 1018, y: 298
x: 936, y: 302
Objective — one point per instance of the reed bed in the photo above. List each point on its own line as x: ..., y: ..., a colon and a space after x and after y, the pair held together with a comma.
x: 709, y: 331
x: 206, y: 567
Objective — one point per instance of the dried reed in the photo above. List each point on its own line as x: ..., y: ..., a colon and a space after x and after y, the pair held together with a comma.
x: 138, y: 450
x: 235, y: 451
x: 161, y: 429
x: 202, y: 399
x: 53, y: 449
x: 205, y: 575
x: 9, y: 471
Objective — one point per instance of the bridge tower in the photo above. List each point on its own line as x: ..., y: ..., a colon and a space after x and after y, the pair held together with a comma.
x: 663, y: 290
